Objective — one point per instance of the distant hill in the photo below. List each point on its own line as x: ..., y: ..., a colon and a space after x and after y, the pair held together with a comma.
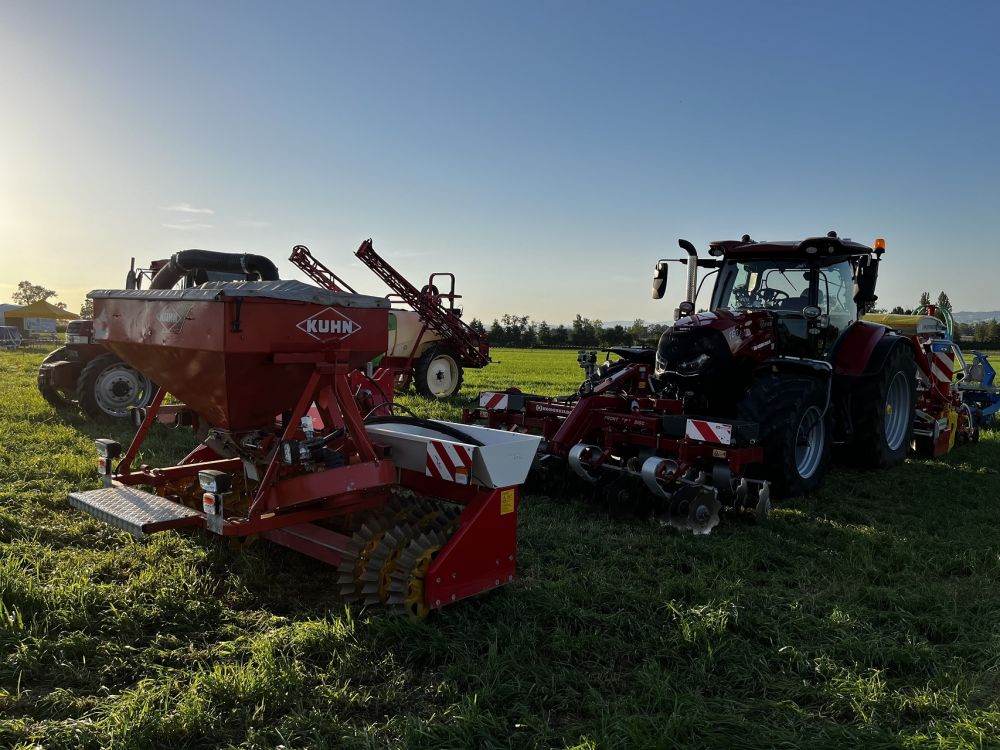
x: 975, y: 317
x: 628, y: 323
x: 960, y: 317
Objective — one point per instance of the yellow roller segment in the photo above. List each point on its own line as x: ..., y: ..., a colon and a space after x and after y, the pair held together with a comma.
x: 910, y: 325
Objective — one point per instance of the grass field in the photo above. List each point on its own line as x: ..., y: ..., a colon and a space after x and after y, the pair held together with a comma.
x: 865, y: 615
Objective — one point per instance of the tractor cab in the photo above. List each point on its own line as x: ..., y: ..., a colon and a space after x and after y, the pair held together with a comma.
x: 808, y: 288
x: 807, y: 293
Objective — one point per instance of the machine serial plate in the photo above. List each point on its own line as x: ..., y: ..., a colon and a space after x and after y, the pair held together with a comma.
x: 137, y: 512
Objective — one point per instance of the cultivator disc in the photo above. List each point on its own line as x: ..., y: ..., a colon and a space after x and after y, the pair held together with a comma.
x: 391, y: 551
x: 694, y: 509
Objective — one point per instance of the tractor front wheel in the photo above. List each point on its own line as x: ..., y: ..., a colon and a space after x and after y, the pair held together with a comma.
x: 108, y: 387
x: 438, y: 373
x: 795, y: 431
x: 58, y: 397
x: 883, y: 412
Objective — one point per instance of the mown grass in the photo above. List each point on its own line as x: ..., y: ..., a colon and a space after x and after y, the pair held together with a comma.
x: 862, y: 616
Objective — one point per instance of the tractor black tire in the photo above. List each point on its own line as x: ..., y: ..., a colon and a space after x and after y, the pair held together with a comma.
x: 882, y: 435
x: 795, y: 431
x: 101, y: 395
x: 438, y: 373
x: 53, y: 395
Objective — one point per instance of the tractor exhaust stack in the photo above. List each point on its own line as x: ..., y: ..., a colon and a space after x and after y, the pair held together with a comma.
x: 692, y: 264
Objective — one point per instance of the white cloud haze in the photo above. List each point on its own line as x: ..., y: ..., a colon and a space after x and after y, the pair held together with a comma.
x: 186, y: 208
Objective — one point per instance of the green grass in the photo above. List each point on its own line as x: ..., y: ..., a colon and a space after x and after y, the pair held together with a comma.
x: 862, y: 616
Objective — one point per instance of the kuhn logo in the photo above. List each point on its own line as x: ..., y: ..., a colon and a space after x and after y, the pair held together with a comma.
x: 328, y: 325
x: 173, y: 317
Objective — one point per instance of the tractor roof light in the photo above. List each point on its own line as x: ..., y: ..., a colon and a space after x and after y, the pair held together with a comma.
x: 880, y: 244
x: 811, y: 250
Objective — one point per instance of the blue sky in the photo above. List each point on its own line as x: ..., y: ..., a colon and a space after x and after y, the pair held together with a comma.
x: 547, y: 153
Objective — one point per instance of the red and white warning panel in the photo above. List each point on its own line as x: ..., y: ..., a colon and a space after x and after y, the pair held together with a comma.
x: 488, y: 400
x: 449, y: 461
x: 718, y: 433
x: 943, y: 365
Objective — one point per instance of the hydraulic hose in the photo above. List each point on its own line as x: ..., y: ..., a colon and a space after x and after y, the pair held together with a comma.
x: 185, y: 261
x: 428, y: 424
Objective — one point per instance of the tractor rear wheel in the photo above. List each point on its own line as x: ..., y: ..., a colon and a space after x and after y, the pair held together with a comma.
x: 58, y: 397
x: 795, y: 431
x: 438, y: 373
x: 883, y: 412
x: 108, y: 387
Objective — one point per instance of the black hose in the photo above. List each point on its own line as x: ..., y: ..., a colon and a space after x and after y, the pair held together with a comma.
x: 185, y: 261
x: 386, y: 401
x: 428, y: 424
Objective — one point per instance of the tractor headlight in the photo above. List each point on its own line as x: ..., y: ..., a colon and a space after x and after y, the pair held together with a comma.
x: 693, y: 365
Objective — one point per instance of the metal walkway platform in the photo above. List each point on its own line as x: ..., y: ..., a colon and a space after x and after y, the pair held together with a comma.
x: 137, y: 512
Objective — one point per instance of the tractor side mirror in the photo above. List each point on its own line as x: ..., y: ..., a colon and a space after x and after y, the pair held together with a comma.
x: 865, y: 280
x: 660, y: 280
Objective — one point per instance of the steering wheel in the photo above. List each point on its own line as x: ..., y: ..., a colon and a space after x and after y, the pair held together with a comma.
x: 771, y: 297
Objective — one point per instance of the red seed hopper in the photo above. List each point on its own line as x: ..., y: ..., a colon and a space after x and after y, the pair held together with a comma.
x: 273, y: 372
x: 239, y: 353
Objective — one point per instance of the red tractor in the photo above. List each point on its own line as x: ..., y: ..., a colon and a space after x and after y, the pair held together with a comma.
x: 85, y: 373
x: 747, y: 397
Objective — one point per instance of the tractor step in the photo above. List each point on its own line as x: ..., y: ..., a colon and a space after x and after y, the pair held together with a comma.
x: 137, y: 512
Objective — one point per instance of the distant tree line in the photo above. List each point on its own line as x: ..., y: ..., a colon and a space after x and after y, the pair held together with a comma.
x: 522, y: 331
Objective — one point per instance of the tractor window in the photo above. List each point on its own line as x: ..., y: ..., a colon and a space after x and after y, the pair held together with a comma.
x: 835, y: 297
x: 836, y: 287
x: 766, y: 285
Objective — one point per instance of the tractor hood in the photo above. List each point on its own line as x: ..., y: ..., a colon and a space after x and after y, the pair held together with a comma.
x: 706, y: 342
x: 741, y: 329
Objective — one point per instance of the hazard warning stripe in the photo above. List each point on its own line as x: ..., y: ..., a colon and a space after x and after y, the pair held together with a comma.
x: 449, y: 461
x: 493, y: 400
x: 709, y: 432
x: 942, y: 366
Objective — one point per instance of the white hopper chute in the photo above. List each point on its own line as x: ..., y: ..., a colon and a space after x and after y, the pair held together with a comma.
x: 503, y: 459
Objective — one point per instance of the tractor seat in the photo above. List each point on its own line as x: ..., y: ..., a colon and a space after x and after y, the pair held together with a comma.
x: 795, y: 303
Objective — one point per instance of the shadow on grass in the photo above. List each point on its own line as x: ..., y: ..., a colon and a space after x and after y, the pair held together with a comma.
x: 862, y: 615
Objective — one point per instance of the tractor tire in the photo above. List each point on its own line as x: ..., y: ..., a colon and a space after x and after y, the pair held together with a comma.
x: 108, y: 387
x: 55, y: 396
x: 795, y: 431
x: 883, y: 413
x: 438, y: 373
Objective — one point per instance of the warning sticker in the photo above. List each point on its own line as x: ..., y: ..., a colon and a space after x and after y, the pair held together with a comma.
x: 507, y: 501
